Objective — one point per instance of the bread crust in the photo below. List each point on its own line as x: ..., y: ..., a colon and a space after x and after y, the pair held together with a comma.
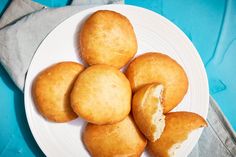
x: 121, y: 139
x: 144, y: 107
x: 178, y: 126
x: 107, y: 37
x: 51, y: 91
x: 159, y: 68
x: 101, y: 95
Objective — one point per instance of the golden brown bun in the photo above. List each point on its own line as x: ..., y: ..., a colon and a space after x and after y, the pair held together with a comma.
x: 148, y: 111
x: 178, y: 126
x: 107, y: 37
x: 159, y: 68
x: 101, y: 95
x: 121, y: 139
x: 51, y: 91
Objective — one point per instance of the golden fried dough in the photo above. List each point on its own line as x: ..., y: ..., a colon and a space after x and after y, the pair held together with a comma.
x: 159, y: 68
x: 107, y: 37
x: 178, y: 126
x: 51, y: 91
x: 101, y: 95
x: 121, y: 139
x: 148, y: 111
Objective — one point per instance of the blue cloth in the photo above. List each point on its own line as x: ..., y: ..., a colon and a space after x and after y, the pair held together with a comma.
x: 210, y: 25
x: 201, y: 20
x: 16, y: 139
x: 15, y: 136
x: 3, y: 5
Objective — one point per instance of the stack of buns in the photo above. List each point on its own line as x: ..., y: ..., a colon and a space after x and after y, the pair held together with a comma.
x: 125, y: 112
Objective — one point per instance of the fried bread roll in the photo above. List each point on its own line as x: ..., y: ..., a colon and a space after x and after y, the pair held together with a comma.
x: 107, y: 37
x: 159, y: 68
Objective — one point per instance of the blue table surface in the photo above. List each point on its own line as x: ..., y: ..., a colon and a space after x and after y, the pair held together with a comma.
x: 209, y: 24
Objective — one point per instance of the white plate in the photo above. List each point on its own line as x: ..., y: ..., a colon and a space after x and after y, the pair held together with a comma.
x: 154, y: 33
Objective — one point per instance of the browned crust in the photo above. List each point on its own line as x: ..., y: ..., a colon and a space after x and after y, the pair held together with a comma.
x: 178, y: 126
x: 51, y: 91
x: 101, y: 95
x: 144, y: 105
x: 159, y: 68
x: 107, y: 37
x: 119, y: 139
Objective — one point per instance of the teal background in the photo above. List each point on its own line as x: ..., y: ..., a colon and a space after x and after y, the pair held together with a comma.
x: 209, y: 24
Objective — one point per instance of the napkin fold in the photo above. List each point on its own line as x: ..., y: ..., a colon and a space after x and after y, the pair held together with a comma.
x: 218, y: 139
x: 20, y: 39
x: 25, y: 24
x: 17, y: 9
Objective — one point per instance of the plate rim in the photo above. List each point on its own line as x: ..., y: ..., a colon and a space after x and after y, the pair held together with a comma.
x: 109, y: 7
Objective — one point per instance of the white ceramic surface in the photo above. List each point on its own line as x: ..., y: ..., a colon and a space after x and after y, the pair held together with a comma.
x: 154, y: 34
